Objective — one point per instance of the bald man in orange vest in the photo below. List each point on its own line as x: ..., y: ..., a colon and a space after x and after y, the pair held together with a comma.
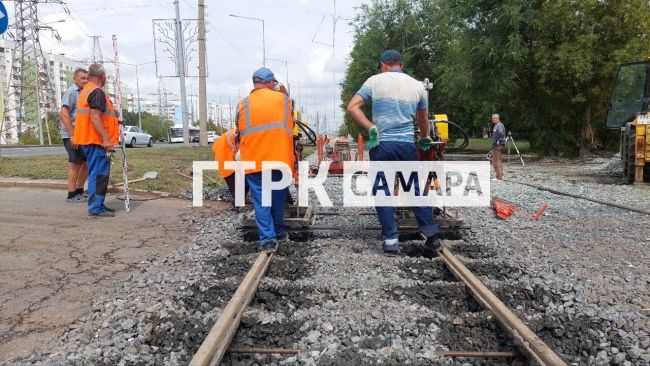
x: 96, y: 132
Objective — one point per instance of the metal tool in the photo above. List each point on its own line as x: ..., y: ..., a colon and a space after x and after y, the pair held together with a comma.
x: 118, y: 102
x: 509, y: 138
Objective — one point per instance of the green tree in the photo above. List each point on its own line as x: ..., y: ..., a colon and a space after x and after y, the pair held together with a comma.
x: 156, y: 126
x: 212, y: 126
x: 54, y: 124
x: 546, y: 66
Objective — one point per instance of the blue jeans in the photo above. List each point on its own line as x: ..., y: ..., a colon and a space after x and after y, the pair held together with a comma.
x: 269, y: 220
x: 401, y: 151
x: 99, y: 169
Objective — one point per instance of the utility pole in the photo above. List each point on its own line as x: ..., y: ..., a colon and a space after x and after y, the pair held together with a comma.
x: 334, y: 20
x: 317, y: 123
x: 299, y: 94
x: 137, y: 87
x: 230, y: 111
x: 180, y: 65
x: 29, y: 94
x: 192, y: 107
x: 96, y: 56
x: 203, y: 106
x: 263, y: 35
x: 221, y: 125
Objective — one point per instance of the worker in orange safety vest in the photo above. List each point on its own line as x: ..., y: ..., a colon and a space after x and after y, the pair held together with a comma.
x: 96, y: 132
x: 226, y: 148
x: 265, y: 126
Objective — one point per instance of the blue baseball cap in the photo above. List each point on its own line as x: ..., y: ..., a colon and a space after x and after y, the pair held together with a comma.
x: 390, y: 55
x: 264, y: 74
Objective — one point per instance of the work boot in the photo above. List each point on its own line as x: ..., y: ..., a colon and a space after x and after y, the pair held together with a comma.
x: 268, y: 247
x: 433, y: 243
x: 109, y: 209
x: 101, y: 214
x: 284, y: 238
x: 77, y: 199
x: 391, y: 246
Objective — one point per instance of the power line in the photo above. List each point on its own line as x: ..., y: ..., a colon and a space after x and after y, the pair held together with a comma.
x: 190, y: 5
x: 231, y: 44
x: 287, y: 7
x: 122, y: 7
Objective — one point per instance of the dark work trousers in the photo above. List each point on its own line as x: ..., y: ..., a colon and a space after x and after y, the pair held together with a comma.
x: 99, y: 169
x: 401, y: 151
x: 269, y: 220
x: 230, y: 182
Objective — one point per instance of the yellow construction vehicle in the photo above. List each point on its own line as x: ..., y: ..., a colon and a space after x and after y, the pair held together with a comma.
x: 628, y: 109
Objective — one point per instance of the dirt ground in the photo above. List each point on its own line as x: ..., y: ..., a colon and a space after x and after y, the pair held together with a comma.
x: 55, y: 259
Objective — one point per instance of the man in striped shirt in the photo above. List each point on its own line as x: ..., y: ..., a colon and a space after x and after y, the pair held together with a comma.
x: 397, y: 101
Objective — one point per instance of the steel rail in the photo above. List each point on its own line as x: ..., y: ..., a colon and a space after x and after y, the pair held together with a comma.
x: 267, y: 351
x: 216, y: 344
x: 524, y: 338
x: 469, y: 354
x: 595, y: 200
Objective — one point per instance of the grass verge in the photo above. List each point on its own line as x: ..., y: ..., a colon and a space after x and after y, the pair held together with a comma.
x: 486, y: 144
x: 166, y: 161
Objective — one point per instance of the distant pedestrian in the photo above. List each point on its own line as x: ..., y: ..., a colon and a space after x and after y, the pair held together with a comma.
x: 97, y: 132
x: 77, y: 169
x: 397, y: 101
x: 498, y: 144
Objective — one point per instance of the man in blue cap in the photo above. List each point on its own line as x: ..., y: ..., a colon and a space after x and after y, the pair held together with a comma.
x: 397, y: 100
x: 265, y: 129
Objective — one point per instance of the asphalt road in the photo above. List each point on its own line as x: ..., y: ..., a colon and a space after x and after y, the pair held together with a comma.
x: 54, y: 150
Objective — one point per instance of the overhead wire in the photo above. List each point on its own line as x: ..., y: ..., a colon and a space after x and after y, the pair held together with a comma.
x: 287, y: 7
x: 207, y: 25
x: 122, y: 7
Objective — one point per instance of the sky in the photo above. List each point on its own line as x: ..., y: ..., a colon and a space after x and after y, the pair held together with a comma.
x: 298, y: 31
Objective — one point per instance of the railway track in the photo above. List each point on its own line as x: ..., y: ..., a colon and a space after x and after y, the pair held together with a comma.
x: 219, y: 340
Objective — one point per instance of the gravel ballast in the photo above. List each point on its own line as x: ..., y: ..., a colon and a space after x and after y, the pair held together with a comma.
x: 578, y: 277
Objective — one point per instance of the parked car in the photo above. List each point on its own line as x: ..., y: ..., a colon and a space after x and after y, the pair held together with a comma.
x: 212, y: 136
x: 133, y: 136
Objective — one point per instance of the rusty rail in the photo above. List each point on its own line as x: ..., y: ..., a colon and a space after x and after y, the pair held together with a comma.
x: 524, y: 338
x: 595, y: 200
x: 216, y: 343
x: 267, y: 351
x: 469, y: 354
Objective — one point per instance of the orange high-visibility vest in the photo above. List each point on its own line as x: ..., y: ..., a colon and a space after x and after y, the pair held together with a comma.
x: 84, y: 131
x: 224, y: 150
x: 265, y: 128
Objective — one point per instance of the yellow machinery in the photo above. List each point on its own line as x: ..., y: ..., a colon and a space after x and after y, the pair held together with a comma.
x: 629, y: 110
x: 442, y: 126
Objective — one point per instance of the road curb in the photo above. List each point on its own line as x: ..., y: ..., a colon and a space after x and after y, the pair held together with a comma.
x: 28, y: 146
x: 55, y: 184
x: 33, y: 183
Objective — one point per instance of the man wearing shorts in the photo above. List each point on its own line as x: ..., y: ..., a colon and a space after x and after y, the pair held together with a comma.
x: 77, y: 169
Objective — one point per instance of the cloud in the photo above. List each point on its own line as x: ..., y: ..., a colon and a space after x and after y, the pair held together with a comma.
x: 234, y: 46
